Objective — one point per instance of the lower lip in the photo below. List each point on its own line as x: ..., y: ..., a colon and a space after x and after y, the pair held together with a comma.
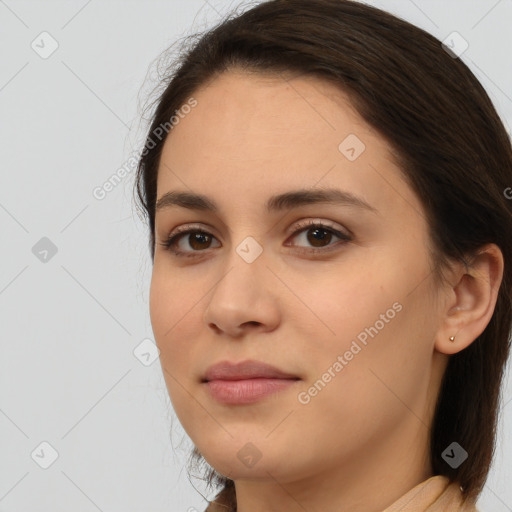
x: 247, y: 391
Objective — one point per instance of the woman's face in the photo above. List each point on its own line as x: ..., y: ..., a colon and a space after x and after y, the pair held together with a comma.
x: 352, y: 316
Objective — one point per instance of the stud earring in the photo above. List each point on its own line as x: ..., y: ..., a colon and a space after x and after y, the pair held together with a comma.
x: 452, y: 338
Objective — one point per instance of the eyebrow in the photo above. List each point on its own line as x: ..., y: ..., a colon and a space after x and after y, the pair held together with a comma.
x: 285, y: 201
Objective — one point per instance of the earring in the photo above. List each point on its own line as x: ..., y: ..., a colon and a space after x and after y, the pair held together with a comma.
x: 452, y: 338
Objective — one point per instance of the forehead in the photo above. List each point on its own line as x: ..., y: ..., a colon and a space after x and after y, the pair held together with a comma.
x: 252, y: 136
x: 240, y: 108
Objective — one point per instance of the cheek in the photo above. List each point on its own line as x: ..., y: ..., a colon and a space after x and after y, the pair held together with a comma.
x: 176, y: 323
x: 338, y: 304
x: 368, y: 315
x: 173, y: 293
x: 375, y: 385
x: 173, y: 310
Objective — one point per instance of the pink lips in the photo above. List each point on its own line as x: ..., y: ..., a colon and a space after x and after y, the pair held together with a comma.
x: 245, y: 382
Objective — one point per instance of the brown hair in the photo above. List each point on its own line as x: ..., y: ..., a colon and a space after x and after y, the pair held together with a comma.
x: 452, y: 148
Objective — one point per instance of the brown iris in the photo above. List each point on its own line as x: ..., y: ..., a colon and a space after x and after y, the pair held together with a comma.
x: 199, y: 238
x: 317, y: 242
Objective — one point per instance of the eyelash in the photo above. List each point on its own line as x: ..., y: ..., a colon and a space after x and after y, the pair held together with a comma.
x: 171, y: 241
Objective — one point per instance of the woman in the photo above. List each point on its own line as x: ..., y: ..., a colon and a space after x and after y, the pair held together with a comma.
x: 330, y: 236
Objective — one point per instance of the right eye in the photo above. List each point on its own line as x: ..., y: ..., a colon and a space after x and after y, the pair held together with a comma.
x: 197, y: 239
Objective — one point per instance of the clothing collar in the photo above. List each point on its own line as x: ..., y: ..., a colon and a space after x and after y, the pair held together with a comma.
x: 436, y: 494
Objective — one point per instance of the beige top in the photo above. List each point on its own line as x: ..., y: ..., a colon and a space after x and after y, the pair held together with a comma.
x: 436, y: 494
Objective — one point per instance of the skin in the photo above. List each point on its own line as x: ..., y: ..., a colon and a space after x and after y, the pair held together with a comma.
x: 251, y: 136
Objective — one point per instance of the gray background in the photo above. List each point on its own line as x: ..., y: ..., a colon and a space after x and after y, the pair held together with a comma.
x: 72, y: 374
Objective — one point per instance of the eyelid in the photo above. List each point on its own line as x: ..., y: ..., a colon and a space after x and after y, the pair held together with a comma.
x: 312, y: 221
x: 187, y: 227
x: 297, y: 225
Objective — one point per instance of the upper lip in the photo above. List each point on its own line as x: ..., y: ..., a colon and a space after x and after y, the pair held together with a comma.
x: 226, y: 370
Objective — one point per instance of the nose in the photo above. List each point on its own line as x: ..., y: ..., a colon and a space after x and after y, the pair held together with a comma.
x: 244, y: 299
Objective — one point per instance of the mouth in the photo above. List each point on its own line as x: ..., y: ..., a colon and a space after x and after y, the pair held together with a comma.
x: 246, y: 382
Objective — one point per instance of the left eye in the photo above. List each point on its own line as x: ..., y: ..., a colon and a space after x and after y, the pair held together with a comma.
x: 317, y: 234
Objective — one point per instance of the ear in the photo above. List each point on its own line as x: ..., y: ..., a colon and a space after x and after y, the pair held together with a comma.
x: 470, y: 300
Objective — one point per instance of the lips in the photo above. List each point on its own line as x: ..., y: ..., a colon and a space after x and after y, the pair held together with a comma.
x: 225, y: 370
x: 245, y: 383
